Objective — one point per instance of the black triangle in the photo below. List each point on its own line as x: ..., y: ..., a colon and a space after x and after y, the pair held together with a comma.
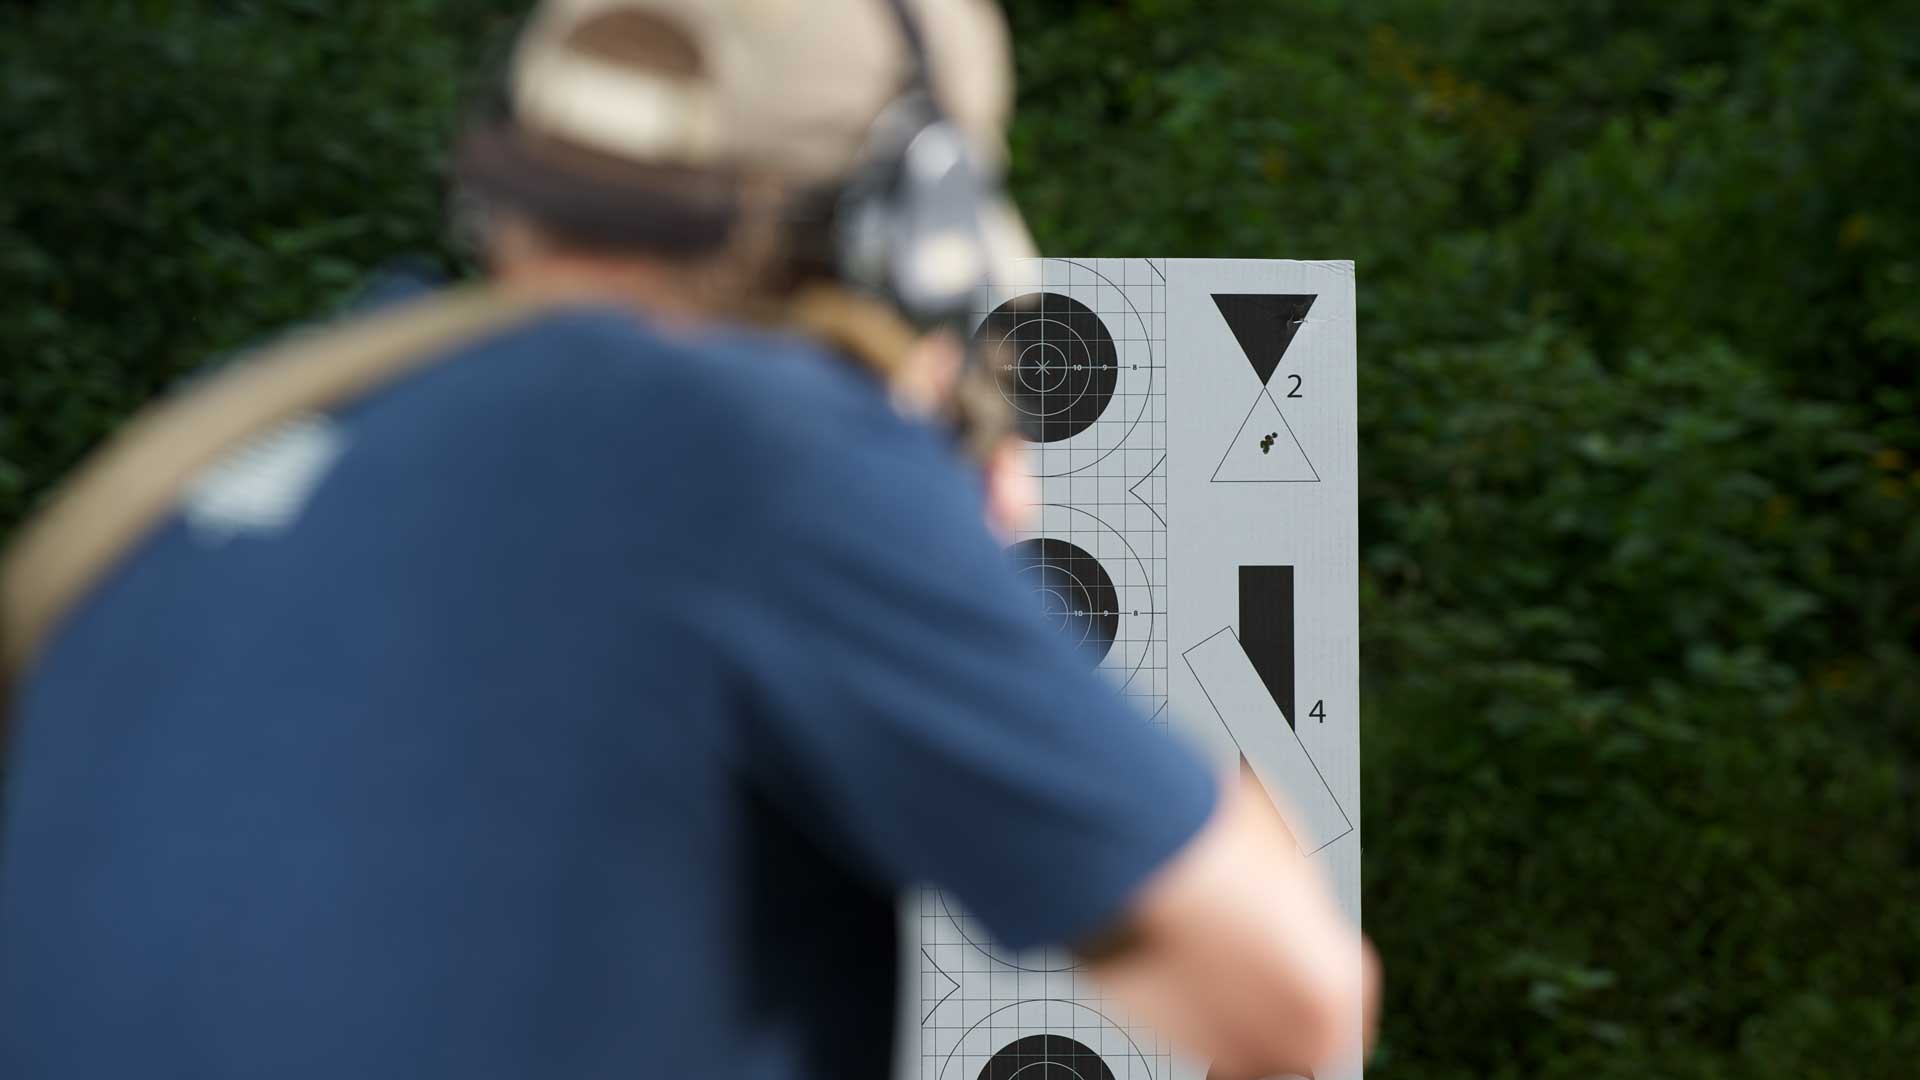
x: 1264, y: 324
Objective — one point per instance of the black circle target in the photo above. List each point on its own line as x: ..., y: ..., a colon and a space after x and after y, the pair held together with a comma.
x: 1046, y: 1057
x: 1054, y: 361
x: 1074, y: 592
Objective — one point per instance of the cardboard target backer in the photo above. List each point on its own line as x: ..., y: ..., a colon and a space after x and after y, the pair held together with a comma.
x: 1191, y: 425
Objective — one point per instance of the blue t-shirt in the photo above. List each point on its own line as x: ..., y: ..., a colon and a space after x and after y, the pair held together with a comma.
x: 575, y: 707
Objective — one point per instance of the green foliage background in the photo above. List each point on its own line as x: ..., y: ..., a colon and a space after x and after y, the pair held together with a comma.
x: 1640, y: 311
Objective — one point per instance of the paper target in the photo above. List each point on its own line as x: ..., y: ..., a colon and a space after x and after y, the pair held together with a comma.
x: 1073, y: 592
x: 1091, y: 580
x: 1075, y: 351
x: 1054, y: 362
x: 1265, y: 449
x: 1046, y: 1057
x: 1190, y: 421
x: 1054, y: 1039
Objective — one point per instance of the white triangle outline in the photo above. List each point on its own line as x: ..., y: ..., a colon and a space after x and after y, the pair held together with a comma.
x: 1268, y: 394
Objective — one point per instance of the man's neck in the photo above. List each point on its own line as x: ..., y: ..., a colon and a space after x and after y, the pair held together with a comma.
x: 648, y: 289
x: 672, y: 293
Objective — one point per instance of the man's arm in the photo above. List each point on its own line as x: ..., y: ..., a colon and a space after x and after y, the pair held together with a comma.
x: 917, y: 714
x: 1236, y: 949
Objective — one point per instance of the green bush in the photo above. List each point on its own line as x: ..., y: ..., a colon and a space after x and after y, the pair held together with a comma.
x: 1641, y: 474
x: 1640, y: 431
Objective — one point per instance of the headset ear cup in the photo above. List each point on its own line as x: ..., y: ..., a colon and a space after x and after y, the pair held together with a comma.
x: 940, y: 249
x: 865, y: 216
x: 863, y: 228
x: 912, y: 223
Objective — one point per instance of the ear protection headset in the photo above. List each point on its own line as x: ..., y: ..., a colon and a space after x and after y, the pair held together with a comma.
x: 910, y: 223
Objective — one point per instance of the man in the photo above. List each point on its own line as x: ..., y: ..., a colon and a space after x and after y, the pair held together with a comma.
x: 568, y: 676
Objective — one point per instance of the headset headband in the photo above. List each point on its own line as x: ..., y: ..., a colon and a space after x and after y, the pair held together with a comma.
x: 910, y: 222
x: 920, y: 77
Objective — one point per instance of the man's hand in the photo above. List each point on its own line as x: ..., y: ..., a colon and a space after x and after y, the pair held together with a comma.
x: 1237, y: 951
x: 1013, y: 495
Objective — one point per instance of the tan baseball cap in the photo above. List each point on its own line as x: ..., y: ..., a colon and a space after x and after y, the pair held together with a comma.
x: 787, y: 88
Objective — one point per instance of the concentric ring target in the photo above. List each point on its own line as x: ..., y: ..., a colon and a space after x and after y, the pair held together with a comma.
x: 1099, y: 1049
x: 1046, y: 1057
x: 1074, y: 592
x: 1054, y: 361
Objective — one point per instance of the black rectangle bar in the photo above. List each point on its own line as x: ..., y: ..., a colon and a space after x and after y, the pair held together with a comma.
x: 1266, y: 629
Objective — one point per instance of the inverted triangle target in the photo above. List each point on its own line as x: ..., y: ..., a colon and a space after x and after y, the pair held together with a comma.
x: 1264, y: 324
x: 1265, y: 450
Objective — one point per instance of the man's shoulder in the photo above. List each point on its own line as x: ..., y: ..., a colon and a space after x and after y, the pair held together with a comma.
x: 609, y: 395
x: 735, y: 358
x: 746, y: 374
x: 599, y: 337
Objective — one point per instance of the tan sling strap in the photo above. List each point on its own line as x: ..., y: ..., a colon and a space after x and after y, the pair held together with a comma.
x: 130, y: 486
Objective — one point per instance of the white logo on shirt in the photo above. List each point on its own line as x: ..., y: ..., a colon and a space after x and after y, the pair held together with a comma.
x: 263, y: 485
